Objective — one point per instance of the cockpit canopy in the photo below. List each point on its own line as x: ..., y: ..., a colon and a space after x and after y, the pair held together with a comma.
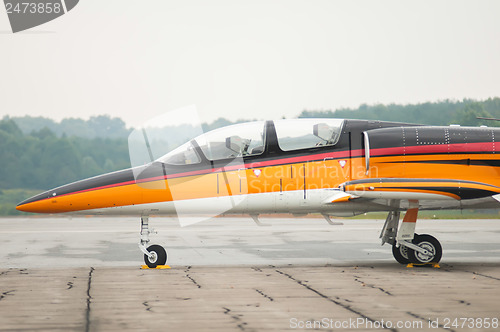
x: 297, y: 134
x: 249, y: 138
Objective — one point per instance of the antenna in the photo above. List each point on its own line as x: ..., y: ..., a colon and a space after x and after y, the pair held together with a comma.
x: 147, y: 144
x: 492, y: 119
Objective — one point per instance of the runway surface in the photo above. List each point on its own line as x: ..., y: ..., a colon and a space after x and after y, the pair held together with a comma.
x: 82, y: 242
x: 228, y: 274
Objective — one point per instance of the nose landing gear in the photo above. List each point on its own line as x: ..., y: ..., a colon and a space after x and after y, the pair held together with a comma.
x: 154, y: 255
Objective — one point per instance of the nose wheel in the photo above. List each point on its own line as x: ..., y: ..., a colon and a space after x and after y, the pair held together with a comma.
x: 157, y: 256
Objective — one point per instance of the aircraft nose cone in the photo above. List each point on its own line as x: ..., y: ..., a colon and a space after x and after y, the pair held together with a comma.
x: 81, y: 195
x: 35, y: 204
x: 23, y: 207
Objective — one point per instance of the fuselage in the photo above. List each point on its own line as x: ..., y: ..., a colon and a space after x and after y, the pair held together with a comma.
x: 287, y: 173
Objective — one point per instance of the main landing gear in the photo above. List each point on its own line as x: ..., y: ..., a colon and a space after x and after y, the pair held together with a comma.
x: 407, y: 246
x: 430, y: 250
x: 154, y: 255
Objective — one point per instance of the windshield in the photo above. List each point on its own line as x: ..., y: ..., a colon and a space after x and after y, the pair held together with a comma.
x: 296, y: 134
x: 240, y: 140
x: 183, y: 155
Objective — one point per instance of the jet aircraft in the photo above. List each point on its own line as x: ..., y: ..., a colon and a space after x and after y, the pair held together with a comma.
x: 334, y: 167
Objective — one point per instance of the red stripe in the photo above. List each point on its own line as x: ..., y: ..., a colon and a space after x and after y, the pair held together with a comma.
x: 291, y: 160
x: 438, y: 148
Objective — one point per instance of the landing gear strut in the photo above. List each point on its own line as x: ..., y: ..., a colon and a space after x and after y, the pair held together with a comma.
x: 407, y: 246
x: 154, y: 255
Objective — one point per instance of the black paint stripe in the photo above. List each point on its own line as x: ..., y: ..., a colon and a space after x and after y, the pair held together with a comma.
x: 399, y: 180
x: 473, y: 162
x: 463, y: 193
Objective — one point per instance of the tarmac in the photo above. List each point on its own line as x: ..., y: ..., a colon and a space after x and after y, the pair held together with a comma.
x: 227, y: 274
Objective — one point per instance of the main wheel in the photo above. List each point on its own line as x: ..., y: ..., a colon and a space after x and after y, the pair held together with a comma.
x: 429, y: 243
x: 400, y: 254
x: 158, y: 256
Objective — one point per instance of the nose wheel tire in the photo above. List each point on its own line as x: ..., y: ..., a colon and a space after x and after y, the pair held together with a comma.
x: 429, y: 243
x: 158, y: 256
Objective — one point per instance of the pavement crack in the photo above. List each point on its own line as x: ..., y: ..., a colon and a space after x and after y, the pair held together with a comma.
x: 70, y: 285
x: 7, y: 293
x: 191, y: 278
x: 265, y: 295
x: 241, y: 325
x: 484, y: 275
x: 356, y: 278
x: 89, y: 301
x: 464, y: 302
x: 326, y: 297
x: 428, y: 320
x: 194, y: 281
x: 148, y: 307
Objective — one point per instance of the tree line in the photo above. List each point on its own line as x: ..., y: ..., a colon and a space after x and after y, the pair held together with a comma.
x: 42, y: 160
x: 444, y: 112
x: 102, y: 126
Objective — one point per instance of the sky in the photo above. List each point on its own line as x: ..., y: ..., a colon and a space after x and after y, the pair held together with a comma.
x: 260, y: 59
